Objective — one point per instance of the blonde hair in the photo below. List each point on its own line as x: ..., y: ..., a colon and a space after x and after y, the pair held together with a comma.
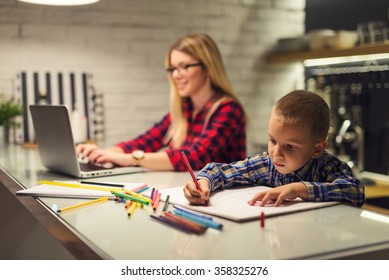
x: 202, y: 48
x: 301, y: 106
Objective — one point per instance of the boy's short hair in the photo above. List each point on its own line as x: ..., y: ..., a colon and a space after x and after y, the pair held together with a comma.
x: 301, y: 106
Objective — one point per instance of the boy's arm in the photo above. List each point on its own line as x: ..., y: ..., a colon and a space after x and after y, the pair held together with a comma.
x: 340, y: 185
x: 244, y: 172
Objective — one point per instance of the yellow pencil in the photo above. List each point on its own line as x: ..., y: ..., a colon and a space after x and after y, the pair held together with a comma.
x: 138, y: 195
x: 132, y: 208
x: 82, y: 204
x: 78, y: 186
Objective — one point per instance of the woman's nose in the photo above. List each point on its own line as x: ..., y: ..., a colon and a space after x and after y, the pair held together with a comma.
x: 177, y: 73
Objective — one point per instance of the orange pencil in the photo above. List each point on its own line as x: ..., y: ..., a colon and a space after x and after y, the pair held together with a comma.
x: 184, y: 222
x: 128, y: 204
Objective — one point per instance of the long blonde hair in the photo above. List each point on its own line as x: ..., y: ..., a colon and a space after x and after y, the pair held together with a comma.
x: 202, y: 48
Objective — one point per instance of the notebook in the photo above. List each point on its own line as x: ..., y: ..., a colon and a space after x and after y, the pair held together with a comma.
x: 56, y: 146
x: 232, y: 203
x: 90, y: 191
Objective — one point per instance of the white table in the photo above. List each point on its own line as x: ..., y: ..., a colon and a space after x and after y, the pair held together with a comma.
x: 339, y: 231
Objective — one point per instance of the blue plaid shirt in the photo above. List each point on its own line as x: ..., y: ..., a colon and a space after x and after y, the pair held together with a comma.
x: 326, y: 178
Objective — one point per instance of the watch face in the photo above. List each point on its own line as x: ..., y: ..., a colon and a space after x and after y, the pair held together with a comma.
x: 138, y: 154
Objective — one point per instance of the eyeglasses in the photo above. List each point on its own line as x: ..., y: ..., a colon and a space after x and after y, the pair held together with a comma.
x: 182, y: 68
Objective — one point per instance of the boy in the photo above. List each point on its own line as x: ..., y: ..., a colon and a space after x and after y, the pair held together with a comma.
x: 296, y: 165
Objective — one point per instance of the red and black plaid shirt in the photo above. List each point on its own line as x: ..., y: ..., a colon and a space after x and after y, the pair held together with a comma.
x: 223, y: 140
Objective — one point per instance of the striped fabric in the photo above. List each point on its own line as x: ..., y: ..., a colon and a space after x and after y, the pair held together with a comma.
x: 68, y: 88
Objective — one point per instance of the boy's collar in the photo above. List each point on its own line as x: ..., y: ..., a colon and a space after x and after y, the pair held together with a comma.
x: 306, y: 169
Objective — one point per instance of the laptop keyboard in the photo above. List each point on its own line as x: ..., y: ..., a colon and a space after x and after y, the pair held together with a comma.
x: 86, y: 166
x: 91, y: 167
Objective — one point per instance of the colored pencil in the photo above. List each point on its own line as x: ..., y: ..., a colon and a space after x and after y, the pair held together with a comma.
x: 132, y: 208
x: 184, y: 222
x: 126, y: 196
x: 135, y: 194
x: 77, y: 186
x: 139, y: 188
x: 189, y: 167
x: 166, y: 203
x: 172, y: 224
x: 101, y: 199
x: 198, y: 220
x: 102, y: 184
x: 156, y: 202
x: 262, y: 219
x: 192, y: 213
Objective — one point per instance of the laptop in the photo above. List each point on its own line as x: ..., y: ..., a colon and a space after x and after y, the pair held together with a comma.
x: 53, y: 134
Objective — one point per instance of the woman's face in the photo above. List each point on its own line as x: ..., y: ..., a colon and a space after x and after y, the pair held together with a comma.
x: 188, y: 75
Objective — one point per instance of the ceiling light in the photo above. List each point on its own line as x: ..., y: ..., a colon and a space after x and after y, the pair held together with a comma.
x: 61, y: 2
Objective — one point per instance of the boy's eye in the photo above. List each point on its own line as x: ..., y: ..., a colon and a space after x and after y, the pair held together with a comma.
x: 271, y: 141
x: 291, y: 147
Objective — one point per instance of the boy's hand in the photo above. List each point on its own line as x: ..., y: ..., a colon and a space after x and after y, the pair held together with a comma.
x: 279, y: 194
x: 194, y: 196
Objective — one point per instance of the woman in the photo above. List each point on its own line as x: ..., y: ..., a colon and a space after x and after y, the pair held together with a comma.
x: 206, y: 120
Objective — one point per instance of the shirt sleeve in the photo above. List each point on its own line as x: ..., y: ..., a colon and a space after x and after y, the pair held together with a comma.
x: 339, y: 185
x: 211, y: 142
x: 151, y: 140
x: 249, y: 171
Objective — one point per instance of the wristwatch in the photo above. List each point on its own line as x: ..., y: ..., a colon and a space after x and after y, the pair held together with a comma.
x: 138, y: 155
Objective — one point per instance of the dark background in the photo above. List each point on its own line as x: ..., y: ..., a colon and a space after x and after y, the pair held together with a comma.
x: 343, y: 14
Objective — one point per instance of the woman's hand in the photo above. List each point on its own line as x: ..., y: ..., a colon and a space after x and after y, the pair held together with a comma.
x: 84, y: 150
x: 113, y: 155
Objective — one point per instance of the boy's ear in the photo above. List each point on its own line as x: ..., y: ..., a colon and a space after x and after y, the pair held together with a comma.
x: 320, y: 148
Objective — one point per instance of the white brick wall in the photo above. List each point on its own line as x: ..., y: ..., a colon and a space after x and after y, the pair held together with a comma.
x: 123, y: 43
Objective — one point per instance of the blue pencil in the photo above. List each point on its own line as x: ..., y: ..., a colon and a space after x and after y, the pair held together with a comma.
x: 142, y: 189
x: 198, y: 220
x: 192, y: 213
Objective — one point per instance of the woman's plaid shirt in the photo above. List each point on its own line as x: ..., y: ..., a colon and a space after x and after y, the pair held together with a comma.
x: 223, y: 139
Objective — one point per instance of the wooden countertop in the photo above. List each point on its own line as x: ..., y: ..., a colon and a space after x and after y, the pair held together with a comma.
x: 379, y: 189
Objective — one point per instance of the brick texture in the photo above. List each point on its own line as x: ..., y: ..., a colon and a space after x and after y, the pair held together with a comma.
x: 123, y: 44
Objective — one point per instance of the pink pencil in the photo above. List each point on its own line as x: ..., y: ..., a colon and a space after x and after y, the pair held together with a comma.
x: 139, y: 188
x: 154, y: 198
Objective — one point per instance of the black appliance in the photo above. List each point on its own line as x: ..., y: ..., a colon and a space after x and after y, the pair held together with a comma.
x: 358, y: 94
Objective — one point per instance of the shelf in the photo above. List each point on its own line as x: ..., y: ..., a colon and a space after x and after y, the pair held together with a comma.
x: 299, y: 56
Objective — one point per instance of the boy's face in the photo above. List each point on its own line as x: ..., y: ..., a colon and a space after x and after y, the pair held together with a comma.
x: 290, y: 145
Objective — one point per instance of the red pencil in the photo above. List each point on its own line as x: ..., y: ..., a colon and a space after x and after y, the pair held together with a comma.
x: 262, y: 219
x: 187, y: 164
